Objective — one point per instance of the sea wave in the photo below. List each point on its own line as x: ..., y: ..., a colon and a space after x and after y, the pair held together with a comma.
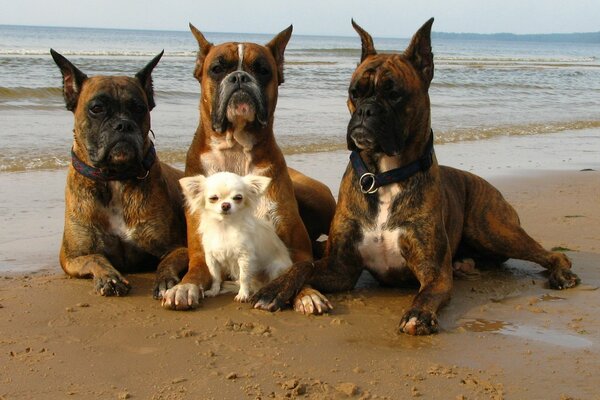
x: 17, y: 93
x: 24, y: 161
x: 481, y: 133
x: 334, y: 51
x: 96, y: 53
x: 330, y: 53
x: 320, y: 62
x: 505, y: 59
x: 14, y: 94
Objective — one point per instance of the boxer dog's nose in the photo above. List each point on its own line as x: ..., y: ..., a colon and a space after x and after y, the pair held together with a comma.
x: 238, y: 77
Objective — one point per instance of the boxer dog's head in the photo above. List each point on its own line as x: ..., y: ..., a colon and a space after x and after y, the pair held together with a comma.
x: 112, y: 115
x: 388, y: 96
x: 239, y: 82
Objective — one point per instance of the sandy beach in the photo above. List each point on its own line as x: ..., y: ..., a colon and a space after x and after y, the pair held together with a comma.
x: 504, y: 335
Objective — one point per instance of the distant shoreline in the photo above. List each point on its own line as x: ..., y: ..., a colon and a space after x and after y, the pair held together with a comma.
x: 585, y: 37
x: 576, y: 37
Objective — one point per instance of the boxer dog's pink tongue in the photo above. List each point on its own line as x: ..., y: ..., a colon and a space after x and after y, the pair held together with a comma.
x: 245, y: 110
x: 241, y: 112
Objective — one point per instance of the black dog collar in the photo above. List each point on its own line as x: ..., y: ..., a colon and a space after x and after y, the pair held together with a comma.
x: 369, y: 182
x: 98, y: 174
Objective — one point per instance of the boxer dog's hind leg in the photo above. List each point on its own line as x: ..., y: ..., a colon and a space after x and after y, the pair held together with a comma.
x: 496, y: 230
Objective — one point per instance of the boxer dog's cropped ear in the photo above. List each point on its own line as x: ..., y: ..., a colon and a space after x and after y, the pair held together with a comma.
x: 368, y: 49
x: 419, y: 52
x: 145, y: 77
x: 73, y: 79
x: 204, y: 47
x: 277, y: 47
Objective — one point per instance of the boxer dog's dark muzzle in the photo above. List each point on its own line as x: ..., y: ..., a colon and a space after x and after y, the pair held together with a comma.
x: 118, y: 146
x: 239, y: 99
x: 375, y: 127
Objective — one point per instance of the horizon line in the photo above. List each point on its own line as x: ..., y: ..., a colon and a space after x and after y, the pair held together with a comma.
x: 302, y: 34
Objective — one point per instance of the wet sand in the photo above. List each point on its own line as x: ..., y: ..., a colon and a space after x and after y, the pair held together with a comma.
x: 504, y: 335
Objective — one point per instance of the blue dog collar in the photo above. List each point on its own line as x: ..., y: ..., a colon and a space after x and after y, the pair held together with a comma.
x: 97, y: 174
x: 370, y: 182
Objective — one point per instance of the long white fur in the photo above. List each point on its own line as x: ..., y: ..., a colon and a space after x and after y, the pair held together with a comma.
x: 238, y: 245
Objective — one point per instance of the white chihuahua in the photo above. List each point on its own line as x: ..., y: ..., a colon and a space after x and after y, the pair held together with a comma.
x: 238, y: 245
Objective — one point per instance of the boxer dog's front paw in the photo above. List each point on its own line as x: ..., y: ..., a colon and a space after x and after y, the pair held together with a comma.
x: 563, y: 279
x: 162, y: 284
x: 184, y: 296
x: 310, y: 301
x: 274, y: 296
x: 418, y: 322
x: 111, y: 284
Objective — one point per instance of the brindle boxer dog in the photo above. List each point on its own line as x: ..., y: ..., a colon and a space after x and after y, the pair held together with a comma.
x: 239, y: 83
x: 123, y: 210
x: 399, y: 214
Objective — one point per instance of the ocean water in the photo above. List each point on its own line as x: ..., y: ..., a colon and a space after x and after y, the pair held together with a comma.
x: 481, y: 89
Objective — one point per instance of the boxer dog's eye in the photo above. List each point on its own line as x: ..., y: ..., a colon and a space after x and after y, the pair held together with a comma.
x: 96, y: 109
x: 261, y: 69
x: 139, y: 109
x: 238, y: 197
x: 395, y: 95
x: 213, y: 199
x: 217, y: 69
x: 391, y: 91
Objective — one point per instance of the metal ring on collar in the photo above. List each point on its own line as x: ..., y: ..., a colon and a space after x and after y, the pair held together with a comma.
x: 371, y: 187
x: 141, y: 178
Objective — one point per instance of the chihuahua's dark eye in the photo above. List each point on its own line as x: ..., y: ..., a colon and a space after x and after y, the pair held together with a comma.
x: 238, y: 197
x: 213, y: 198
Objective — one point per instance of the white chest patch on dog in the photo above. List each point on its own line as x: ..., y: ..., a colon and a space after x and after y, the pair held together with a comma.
x: 114, y: 213
x: 380, y: 248
x: 222, y: 158
x: 233, y: 159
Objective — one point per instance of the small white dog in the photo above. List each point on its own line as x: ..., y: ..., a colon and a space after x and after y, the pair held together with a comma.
x: 238, y: 245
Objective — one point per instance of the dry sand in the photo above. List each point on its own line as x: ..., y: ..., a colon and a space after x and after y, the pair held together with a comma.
x: 504, y: 335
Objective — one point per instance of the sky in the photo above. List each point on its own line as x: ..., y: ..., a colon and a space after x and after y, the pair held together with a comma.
x: 383, y: 18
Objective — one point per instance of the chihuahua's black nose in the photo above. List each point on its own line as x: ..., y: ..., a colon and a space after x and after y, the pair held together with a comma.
x: 226, y: 206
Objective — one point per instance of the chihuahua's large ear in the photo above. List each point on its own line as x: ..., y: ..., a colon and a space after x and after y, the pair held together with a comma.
x: 367, y: 47
x: 257, y: 184
x: 419, y: 52
x: 277, y: 47
x: 193, y: 190
x: 204, y: 47
x: 73, y: 79
x: 145, y: 77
